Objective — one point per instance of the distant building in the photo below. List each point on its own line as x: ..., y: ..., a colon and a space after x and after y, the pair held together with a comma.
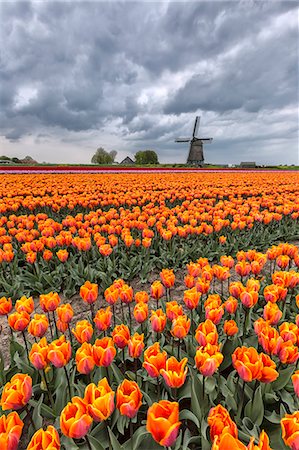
x: 247, y: 164
x: 5, y: 161
x: 127, y: 161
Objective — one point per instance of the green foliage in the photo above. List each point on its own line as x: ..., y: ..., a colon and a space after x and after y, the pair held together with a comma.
x: 101, y: 156
x: 146, y: 157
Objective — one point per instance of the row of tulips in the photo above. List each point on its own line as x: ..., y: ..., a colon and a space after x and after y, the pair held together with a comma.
x: 155, y: 376
x: 92, y: 227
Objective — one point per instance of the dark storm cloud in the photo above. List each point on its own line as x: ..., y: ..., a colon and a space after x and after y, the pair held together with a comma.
x: 141, y: 70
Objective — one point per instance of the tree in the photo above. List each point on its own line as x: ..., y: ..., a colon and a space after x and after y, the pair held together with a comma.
x: 146, y: 157
x: 103, y: 157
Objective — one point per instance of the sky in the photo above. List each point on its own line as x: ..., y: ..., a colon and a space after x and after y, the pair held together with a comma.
x: 130, y: 76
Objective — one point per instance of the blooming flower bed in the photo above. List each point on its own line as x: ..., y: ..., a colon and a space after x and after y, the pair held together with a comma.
x: 214, y: 367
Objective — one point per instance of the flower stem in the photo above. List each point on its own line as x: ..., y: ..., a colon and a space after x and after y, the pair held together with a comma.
x: 26, y: 346
x: 44, y: 376
x: 30, y: 418
x: 68, y: 383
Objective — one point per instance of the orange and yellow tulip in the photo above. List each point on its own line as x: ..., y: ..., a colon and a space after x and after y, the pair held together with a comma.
x: 175, y: 372
x: 163, y: 422
x: 11, y: 427
x: 100, y: 400
x: 75, y: 420
x: 128, y: 398
x: 17, y: 392
x: 45, y: 439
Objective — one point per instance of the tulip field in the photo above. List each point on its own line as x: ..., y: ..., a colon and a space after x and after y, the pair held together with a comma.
x: 149, y: 311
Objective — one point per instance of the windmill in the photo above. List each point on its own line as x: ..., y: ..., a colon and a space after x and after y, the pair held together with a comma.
x: 195, y: 156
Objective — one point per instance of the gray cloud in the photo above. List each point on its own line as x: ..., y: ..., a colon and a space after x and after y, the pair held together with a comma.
x: 138, y: 72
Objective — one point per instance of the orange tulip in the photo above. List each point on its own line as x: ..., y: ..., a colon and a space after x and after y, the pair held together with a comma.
x: 247, y: 362
x: 175, y: 372
x: 180, y: 327
x: 158, y: 320
x: 286, y: 351
x: 194, y: 269
x: 289, y: 332
x: 220, y: 423
x: 263, y: 443
x: 11, y: 427
x: 75, y: 420
x: 249, y: 298
x: 227, y: 261
x: 18, y: 321
x: 38, y: 354
x: 163, y: 422
x: 103, y: 319
x: 208, y: 359
x: 272, y: 313
x: 89, y: 292
x: 60, y: 352
x: 290, y: 430
x: 5, y: 306
x: 157, y: 290
x: 104, y: 351
x: 62, y: 255
x: 45, y: 439
x: 136, y: 345
x: 105, y: 249
x: 227, y: 442
x: 38, y: 325
x: 243, y: 268
x: 65, y: 312
x: 17, y: 392
x: 25, y: 304
x: 173, y: 310
x: 100, y: 400
x: 61, y: 326
x: 47, y: 255
x: 83, y: 331
x: 128, y: 398
x: 111, y: 295
x: 121, y: 335
x: 230, y: 328
x: 84, y: 358
x: 202, y: 286
x: 215, y: 314
x: 231, y: 305
x: 191, y: 298
x: 167, y: 277
x: 235, y: 289
x: 268, y: 372
x: 141, y: 312
x: 49, y: 302
x: 141, y: 297
x: 126, y: 294
x: 268, y: 338
x: 189, y: 281
x: 154, y: 360
x: 206, y: 332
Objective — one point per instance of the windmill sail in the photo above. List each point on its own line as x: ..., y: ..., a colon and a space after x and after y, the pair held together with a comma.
x: 195, y: 156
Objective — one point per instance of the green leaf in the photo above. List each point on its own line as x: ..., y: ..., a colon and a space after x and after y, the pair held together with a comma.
x: 254, y: 409
x: 45, y: 410
x: 196, y: 389
x: 188, y: 415
x: 36, y: 415
x: 283, y: 379
x: 114, y: 442
x: 117, y: 373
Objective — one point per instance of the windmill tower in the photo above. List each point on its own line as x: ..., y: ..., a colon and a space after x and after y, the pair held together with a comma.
x: 195, y: 157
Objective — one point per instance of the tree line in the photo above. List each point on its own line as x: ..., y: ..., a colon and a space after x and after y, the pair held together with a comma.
x: 142, y: 157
